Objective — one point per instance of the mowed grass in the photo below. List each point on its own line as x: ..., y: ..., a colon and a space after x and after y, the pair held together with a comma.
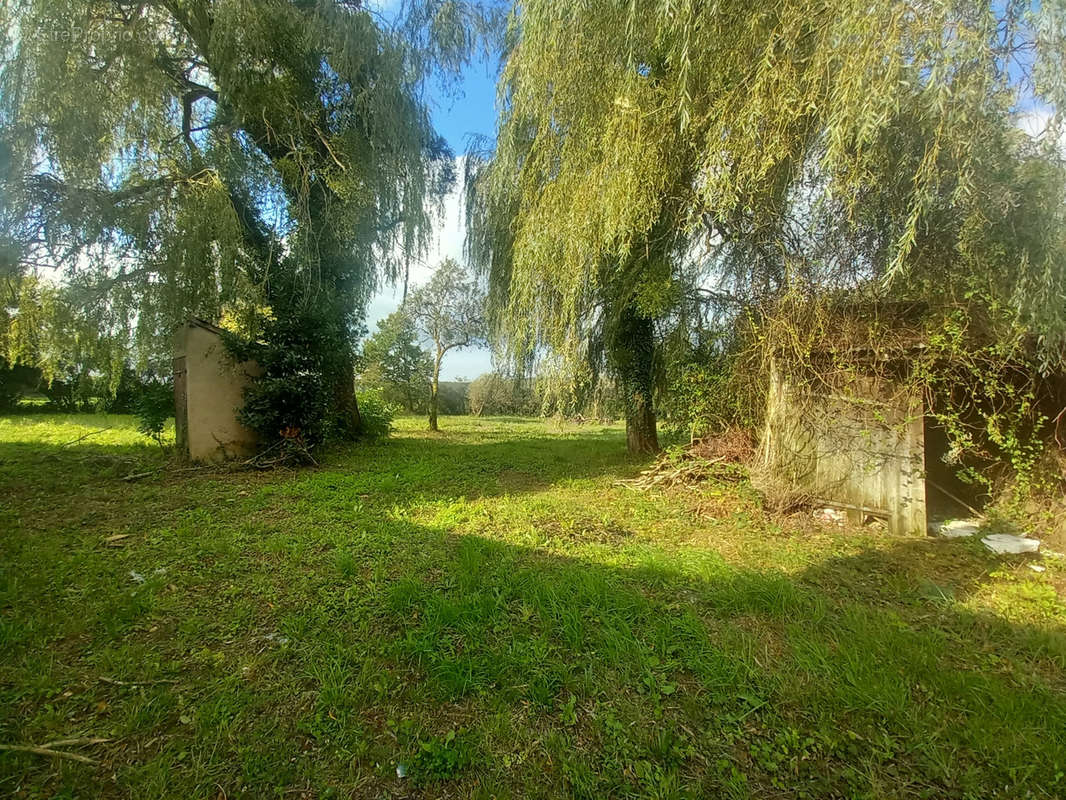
x: 486, y: 613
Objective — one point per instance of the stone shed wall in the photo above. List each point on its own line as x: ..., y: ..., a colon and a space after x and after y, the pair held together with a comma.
x: 862, y: 449
x: 208, y: 392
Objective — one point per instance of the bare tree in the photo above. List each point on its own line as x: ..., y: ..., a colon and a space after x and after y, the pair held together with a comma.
x: 449, y: 312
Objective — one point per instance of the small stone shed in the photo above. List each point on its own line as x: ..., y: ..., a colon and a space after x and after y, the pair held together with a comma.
x: 862, y: 450
x: 861, y: 439
x: 208, y: 392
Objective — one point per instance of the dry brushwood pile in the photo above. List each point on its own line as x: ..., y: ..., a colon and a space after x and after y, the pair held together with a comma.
x: 722, y: 457
x: 290, y: 450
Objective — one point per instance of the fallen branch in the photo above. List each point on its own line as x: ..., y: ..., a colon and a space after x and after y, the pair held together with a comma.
x: 721, y: 457
x: 138, y: 475
x: 293, y: 450
x: 880, y: 513
x: 74, y: 742
x: 667, y: 473
x: 252, y: 461
x: 48, y: 749
x: 85, y: 436
x: 954, y: 497
x: 116, y: 682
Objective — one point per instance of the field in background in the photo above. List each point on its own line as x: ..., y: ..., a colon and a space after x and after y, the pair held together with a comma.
x: 485, y: 613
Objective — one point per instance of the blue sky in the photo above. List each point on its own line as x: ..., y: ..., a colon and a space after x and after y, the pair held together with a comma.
x: 472, y: 110
x: 469, y: 110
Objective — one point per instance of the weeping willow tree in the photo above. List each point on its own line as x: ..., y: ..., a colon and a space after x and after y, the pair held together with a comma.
x: 662, y: 164
x: 266, y: 163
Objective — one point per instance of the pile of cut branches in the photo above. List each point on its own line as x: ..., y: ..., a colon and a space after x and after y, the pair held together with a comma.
x: 722, y: 457
x: 292, y: 449
x: 733, y: 445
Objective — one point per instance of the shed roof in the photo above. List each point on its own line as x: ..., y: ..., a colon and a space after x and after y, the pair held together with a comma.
x: 197, y: 322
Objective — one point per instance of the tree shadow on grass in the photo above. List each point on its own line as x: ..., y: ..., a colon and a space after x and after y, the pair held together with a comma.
x: 717, y: 681
x: 494, y: 669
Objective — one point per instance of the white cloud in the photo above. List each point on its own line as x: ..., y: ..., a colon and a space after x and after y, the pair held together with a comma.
x: 1038, y: 124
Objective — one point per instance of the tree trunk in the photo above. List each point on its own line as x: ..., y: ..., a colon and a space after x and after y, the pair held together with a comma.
x: 434, y: 393
x: 641, y: 435
x: 633, y: 353
x: 347, y: 406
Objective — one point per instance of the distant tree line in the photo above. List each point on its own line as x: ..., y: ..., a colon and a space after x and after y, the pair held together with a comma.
x: 27, y: 388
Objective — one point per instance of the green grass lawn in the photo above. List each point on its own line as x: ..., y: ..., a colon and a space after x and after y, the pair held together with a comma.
x: 487, y: 611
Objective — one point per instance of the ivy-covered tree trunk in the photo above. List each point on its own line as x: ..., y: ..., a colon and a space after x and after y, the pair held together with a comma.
x: 633, y: 354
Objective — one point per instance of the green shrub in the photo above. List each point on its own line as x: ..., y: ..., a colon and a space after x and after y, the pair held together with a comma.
x: 153, y: 406
x: 701, y: 400
x: 375, y: 415
x: 298, y: 403
x: 294, y: 398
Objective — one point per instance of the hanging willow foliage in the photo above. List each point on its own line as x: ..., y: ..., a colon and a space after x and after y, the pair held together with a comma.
x: 697, y: 158
x: 231, y: 159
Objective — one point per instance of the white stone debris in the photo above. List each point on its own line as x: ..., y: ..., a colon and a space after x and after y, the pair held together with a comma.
x: 955, y: 528
x: 834, y: 516
x: 1037, y: 567
x: 1009, y: 543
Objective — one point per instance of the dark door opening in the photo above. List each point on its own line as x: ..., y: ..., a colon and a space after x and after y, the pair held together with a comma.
x: 947, y: 496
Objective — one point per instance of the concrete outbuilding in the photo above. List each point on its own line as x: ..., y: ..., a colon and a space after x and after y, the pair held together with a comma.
x: 208, y: 393
x: 852, y: 431
x: 862, y: 450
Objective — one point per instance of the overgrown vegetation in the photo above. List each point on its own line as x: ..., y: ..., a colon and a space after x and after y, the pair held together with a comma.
x: 488, y: 609
x: 697, y: 167
x: 989, y: 392
x: 267, y: 166
x: 376, y: 415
